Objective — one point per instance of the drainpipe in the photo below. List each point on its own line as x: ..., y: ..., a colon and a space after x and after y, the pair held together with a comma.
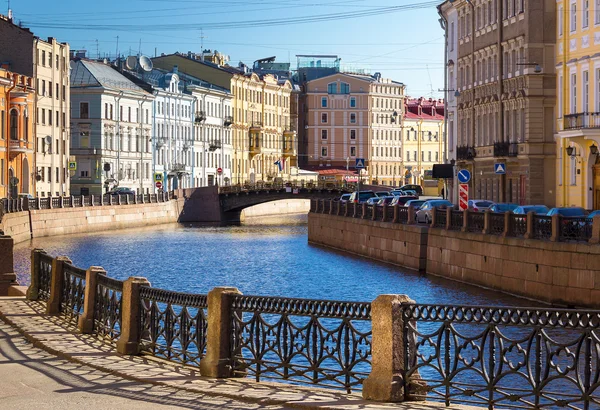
x: 154, y: 135
x: 118, y: 109
x: 194, y: 110
x: 444, y: 25
x: 7, y: 125
x: 141, y: 120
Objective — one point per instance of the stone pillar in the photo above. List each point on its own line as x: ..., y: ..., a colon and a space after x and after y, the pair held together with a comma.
x: 61, y: 202
x: 110, y: 200
x: 355, y: 213
x: 127, y: 199
x: 465, y: 227
x: 34, y: 286
x: 50, y: 202
x: 396, y: 216
x: 91, y: 200
x: 486, y: 222
x: 331, y: 203
x: 119, y: 199
x: 385, y: 381
x: 8, y: 277
x: 507, y: 226
x: 433, y: 217
x: 556, y: 222
x: 384, y: 209
x: 82, y: 201
x: 129, y: 341
x: 374, y: 213
x: 339, y: 208
x: 449, y: 217
x: 72, y: 201
x: 595, y: 230
x: 217, y: 362
x: 56, y: 285
x: 86, y: 320
x: 135, y: 197
x: 529, y: 220
x: 412, y: 215
x: 364, y: 210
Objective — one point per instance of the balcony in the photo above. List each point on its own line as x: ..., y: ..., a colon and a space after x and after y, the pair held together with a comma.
x: 581, y: 120
x: 256, y: 125
x: 288, y: 143
x: 506, y: 149
x: 200, y: 117
x: 214, y: 145
x: 254, y: 142
x: 18, y: 147
x: 465, y: 152
x: 228, y: 120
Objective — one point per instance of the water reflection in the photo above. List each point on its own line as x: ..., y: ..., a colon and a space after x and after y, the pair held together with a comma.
x: 265, y: 256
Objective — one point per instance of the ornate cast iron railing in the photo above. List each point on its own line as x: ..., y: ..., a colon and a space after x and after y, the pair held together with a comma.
x: 456, y: 220
x: 440, y: 218
x: 503, y: 357
x: 575, y: 229
x: 496, y: 223
x: 73, y: 292
x: 107, y: 309
x: 368, y: 212
x: 45, y: 276
x: 389, y: 213
x: 303, y: 341
x: 403, y: 214
x: 173, y: 325
x: 542, y: 226
x: 476, y: 222
x: 518, y: 225
x: 44, y: 203
x: 326, y: 206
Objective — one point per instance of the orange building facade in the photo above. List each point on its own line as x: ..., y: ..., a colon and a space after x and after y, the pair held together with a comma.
x: 16, y: 137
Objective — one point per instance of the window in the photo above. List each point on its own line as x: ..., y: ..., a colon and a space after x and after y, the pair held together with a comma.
x: 451, y: 37
x: 323, y: 134
x: 332, y: 88
x: 352, y: 134
x: 324, y: 118
x: 573, y: 24
x: 324, y: 102
x: 128, y: 114
x: 597, y: 13
x: 585, y: 22
x: 352, y: 151
x: 586, y: 94
x: 43, y: 58
x: 14, y: 125
x: 323, y: 151
x: 573, y: 93
x: 352, y: 118
x: 353, y: 102
x: 407, y: 155
x: 429, y: 156
x: 345, y: 88
x: 414, y: 155
x: 84, y: 111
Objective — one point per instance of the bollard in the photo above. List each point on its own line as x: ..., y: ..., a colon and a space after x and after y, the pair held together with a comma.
x: 82, y: 201
x: 129, y: 341
x: 61, y: 202
x: 217, y: 362
x: 364, y: 210
x: 385, y: 211
x: 86, y: 320
x: 396, y: 217
x: 34, y: 286
x: 385, y: 382
x: 56, y: 285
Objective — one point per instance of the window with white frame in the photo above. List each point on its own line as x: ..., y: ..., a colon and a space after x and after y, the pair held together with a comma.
x: 332, y: 88
x: 597, y: 13
x: 573, y: 170
x: 573, y: 93
x: 353, y: 118
x: 597, y: 89
x: 324, y: 118
x: 352, y: 151
x: 586, y: 91
x: 585, y: 21
x: 323, y: 151
x: 352, y: 134
x: 560, y: 20
x: 573, y: 17
x: 353, y: 102
x: 560, y: 92
x: 324, y: 102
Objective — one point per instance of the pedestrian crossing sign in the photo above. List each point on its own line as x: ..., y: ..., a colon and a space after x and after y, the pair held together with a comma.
x: 500, y: 168
x: 158, y: 177
x: 360, y: 163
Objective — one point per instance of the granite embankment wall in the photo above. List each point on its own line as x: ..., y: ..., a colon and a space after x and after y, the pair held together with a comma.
x: 22, y: 226
x: 553, y: 272
x: 276, y: 208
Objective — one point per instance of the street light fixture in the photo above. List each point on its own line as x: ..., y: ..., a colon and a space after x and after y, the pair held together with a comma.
x: 571, y: 151
x: 594, y: 149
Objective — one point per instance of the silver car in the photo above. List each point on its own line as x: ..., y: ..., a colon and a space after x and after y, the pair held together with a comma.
x: 424, y: 213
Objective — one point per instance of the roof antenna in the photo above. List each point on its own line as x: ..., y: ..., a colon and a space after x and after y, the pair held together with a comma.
x: 430, y: 83
x: 202, y: 44
x: 10, y: 14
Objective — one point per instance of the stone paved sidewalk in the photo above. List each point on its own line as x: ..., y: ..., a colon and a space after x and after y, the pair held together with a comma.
x: 54, y: 336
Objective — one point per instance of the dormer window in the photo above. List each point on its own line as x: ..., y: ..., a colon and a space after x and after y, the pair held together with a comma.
x: 345, y: 88
x: 332, y: 88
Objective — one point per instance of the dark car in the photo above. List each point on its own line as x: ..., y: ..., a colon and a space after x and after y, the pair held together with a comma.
x: 502, y: 207
x: 363, y: 196
x: 402, y: 200
x: 373, y: 200
x: 121, y: 191
x: 417, y: 188
x: 386, y: 200
x: 381, y: 194
x: 525, y: 209
x: 569, y: 212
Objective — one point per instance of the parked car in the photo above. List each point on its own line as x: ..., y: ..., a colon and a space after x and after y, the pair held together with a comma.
x: 25, y: 196
x: 373, y: 201
x: 402, y: 200
x: 424, y: 213
x: 415, y: 203
x: 121, y: 191
x: 344, y: 198
x: 479, y: 205
x: 503, y: 207
x: 410, y: 192
x: 537, y: 209
x: 570, y: 211
x: 363, y: 196
x: 396, y: 192
x: 381, y: 194
x: 417, y: 188
x: 386, y: 200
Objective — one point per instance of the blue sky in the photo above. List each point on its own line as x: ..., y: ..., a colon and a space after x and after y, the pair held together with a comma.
x: 402, y: 39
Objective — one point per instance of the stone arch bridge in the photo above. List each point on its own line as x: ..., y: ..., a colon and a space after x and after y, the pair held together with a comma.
x: 225, y: 204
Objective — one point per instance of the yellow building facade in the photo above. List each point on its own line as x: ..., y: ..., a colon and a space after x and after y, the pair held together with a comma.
x: 578, y: 104
x: 16, y: 137
x: 423, y: 143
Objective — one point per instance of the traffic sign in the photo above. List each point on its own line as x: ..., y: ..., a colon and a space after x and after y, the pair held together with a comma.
x: 158, y: 177
x: 463, y: 197
x: 158, y: 184
x: 360, y: 163
x: 500, y: 168
x: 464, y: 176
x: 219, y: 170
x: 72, y: 166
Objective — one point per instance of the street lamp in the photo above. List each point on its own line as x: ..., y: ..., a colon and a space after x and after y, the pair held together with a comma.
x: 571, y: 151
x: 594, y: 149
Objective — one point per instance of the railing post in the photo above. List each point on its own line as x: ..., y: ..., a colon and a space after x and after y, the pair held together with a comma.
x: 364, y: 210
x: 82, y: 201
x: 374, y: 213
x: 72, y: 201
x: 331, y: 206
x: 217, y: 362
x: 556, y: 223
x: 61, y: 202
x: 129, y: 341
x: 34, y: 286
x: 465, y: 227
x: 92, y: 200
x: 595, y: 238
x: 127, y: 199
x: 396, y: 216
x: 433, y: 217
x: 412, y: 215
x: 86, y: 320
x: 135, y: 201
x: 529, y: 221
x: 507, y: 225
x: 8, y: 277
x: 56, y: 285
x: 119, y: 199
x: 50, y: 202
x: 38, y: 203
x: 339, y: 208
x: 355, y: 211
x: 388, y: 361
x: 384, y: 209
x: 486, y: 222
x: 449, y: 217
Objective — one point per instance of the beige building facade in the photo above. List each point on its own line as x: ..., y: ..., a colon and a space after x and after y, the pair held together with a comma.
x: 353, y: 116
x: 506, y: 95
x: 52, y: 124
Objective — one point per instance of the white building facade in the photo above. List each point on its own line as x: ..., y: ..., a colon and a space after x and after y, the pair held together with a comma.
x: 111, y: 122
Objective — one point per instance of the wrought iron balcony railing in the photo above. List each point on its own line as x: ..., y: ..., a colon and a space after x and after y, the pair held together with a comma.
x: 214, y: 145
x: 200, y: 117
x: 465, y: 152
x: 506, y: 149
x: 581, y: 120
x: 228, y: 120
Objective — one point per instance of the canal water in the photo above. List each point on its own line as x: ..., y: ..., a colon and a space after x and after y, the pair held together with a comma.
x: 264, y: 256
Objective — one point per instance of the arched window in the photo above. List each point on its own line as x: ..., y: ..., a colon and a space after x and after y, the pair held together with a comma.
x: 14, y: 125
